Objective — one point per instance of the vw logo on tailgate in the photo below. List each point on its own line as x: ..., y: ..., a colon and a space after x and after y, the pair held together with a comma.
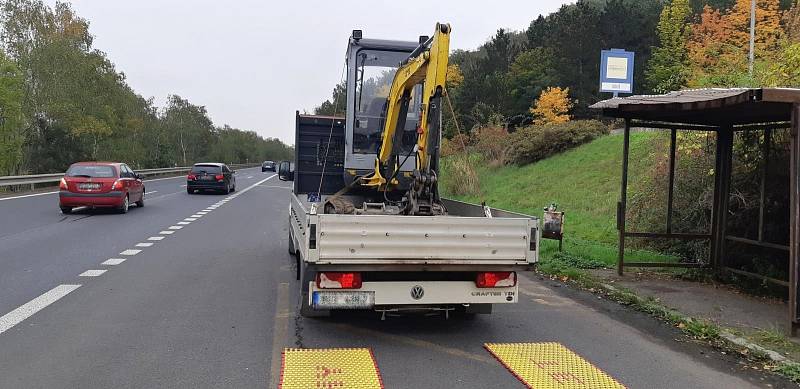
x: 417, y: 292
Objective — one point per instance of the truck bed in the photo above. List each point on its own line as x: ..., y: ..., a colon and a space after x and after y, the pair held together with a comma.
x: 468, y: 235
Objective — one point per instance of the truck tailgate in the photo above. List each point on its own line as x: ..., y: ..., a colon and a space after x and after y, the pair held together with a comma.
x: 425, y: 239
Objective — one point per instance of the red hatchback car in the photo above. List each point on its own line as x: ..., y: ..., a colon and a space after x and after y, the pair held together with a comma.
x: 100, y: 185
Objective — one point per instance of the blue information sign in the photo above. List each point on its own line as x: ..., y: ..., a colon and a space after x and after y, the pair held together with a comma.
x: 616, y: 71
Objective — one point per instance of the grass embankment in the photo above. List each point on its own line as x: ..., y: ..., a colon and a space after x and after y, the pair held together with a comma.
x: 584, y: 182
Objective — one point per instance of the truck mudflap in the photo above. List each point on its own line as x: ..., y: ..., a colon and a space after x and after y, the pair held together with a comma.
x: 394, y: 293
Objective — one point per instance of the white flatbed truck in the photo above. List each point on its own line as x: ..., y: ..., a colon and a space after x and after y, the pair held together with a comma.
x: 463, y: 261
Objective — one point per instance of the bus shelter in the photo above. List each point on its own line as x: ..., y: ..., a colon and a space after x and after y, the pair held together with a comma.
x: 723, y: 112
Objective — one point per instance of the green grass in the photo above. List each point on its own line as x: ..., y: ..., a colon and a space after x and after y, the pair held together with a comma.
x: 584, y: 182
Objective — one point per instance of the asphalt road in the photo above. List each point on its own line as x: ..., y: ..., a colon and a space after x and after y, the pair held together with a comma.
x: 213, y: 304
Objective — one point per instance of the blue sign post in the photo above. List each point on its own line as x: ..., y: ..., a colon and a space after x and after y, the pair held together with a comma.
x: 616, y: 71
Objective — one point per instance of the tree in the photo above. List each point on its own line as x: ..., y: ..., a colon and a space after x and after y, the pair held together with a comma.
x: 454, y: 76
x: 791, y: 23
x: 668, y: 67
x: 552, y: 106
x: 335, y: 106
x: 11, y: 119
x: 784, y: 71
x: 719, y: 44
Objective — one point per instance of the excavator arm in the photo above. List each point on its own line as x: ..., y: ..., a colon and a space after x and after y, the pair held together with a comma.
x: 427, y: 65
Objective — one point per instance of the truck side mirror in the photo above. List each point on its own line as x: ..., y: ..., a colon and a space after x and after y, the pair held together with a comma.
x: 285, y: 172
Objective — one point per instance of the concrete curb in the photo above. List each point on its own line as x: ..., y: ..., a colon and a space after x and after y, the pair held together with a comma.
x: 736, y: 340
x: 739, y: 341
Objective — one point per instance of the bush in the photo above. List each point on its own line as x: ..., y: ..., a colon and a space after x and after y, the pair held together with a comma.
x: 491, y: 142
x: 537, y: 142
x: 457, y: 145
x: 462, y: 179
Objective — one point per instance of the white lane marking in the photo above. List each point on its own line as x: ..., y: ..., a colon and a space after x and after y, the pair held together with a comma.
x: 92, y: 273
x: 130, y: 252
x: 190, y: 219
x: 196, y: 216
x: 183, y: 186
x: 113, y: 261
x: 175, y: 227
x: 28, y: 195
x: 151, y: 192
x: 184, y: 223
x: 202, y: 213
x: 209, y: 209
x: 249, y: 176
x: 147, y: 244
x: 155, y: 238
x: 27, y: 310
x: 167, y: 232
x: 166, y: 178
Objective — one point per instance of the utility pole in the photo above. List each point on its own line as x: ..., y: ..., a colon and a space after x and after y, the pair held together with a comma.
x: 752, y: 36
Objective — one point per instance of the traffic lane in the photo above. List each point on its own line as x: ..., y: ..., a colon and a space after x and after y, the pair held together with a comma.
x: 34, y: 261
x: 430, y: 352
x: 25, y: 213
x: 194, y: 310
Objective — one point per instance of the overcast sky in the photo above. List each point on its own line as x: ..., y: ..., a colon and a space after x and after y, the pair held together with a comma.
x: 253, y: 63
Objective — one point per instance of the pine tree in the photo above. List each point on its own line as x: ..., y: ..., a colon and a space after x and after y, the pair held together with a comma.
x: 668, y: 67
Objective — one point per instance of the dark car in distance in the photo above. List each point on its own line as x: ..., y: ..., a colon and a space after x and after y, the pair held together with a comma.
x: 100, y: 185
x: 211, y: 176
x: 268, y: 165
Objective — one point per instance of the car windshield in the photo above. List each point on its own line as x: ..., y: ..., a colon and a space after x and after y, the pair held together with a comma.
x: 208, y: 169
x: 98, y: 171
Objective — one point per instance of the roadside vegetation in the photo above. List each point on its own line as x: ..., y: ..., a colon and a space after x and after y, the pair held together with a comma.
x: 62, y: 100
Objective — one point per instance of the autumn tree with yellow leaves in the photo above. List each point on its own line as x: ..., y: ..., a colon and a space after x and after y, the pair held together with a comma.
x: 552, y: 106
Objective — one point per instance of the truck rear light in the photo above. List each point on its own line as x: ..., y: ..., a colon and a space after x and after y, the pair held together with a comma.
x: 63, y: 184
x: 336, y: 280
x: 118, y: 185
x: 191, y: 177
x: 219, y: 177
x: 496, y: 279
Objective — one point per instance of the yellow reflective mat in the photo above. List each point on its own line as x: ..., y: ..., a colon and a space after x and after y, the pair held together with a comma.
x: 550, y: 365
x: 334, y: 368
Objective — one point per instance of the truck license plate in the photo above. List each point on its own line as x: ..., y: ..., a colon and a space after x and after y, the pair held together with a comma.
x: 343, y: 300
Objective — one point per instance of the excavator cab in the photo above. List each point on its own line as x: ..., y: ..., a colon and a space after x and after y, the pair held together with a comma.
x: 371, y: 67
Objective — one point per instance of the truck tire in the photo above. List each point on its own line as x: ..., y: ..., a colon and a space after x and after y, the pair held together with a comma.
x: 305, y: 308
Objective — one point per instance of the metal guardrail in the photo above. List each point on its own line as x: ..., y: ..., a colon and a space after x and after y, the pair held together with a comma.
x: 34, y: 179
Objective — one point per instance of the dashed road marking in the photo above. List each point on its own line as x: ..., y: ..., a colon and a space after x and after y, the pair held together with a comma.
x: 190, y: 219
x: 92, y: 273
x: 329, y: 368
x: 550, y: 365
x: 151, y: 192
x: 28, y: 309
x: 175, y: 227
x: 29, y: 195
x: 197, y: 216
x: 130, y: 252
x: 156, y: 238
x: 184, y: 223
x: 113, y: 261
x: 144, y: 244
x: 167, y: 232
x: 201, y: 213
